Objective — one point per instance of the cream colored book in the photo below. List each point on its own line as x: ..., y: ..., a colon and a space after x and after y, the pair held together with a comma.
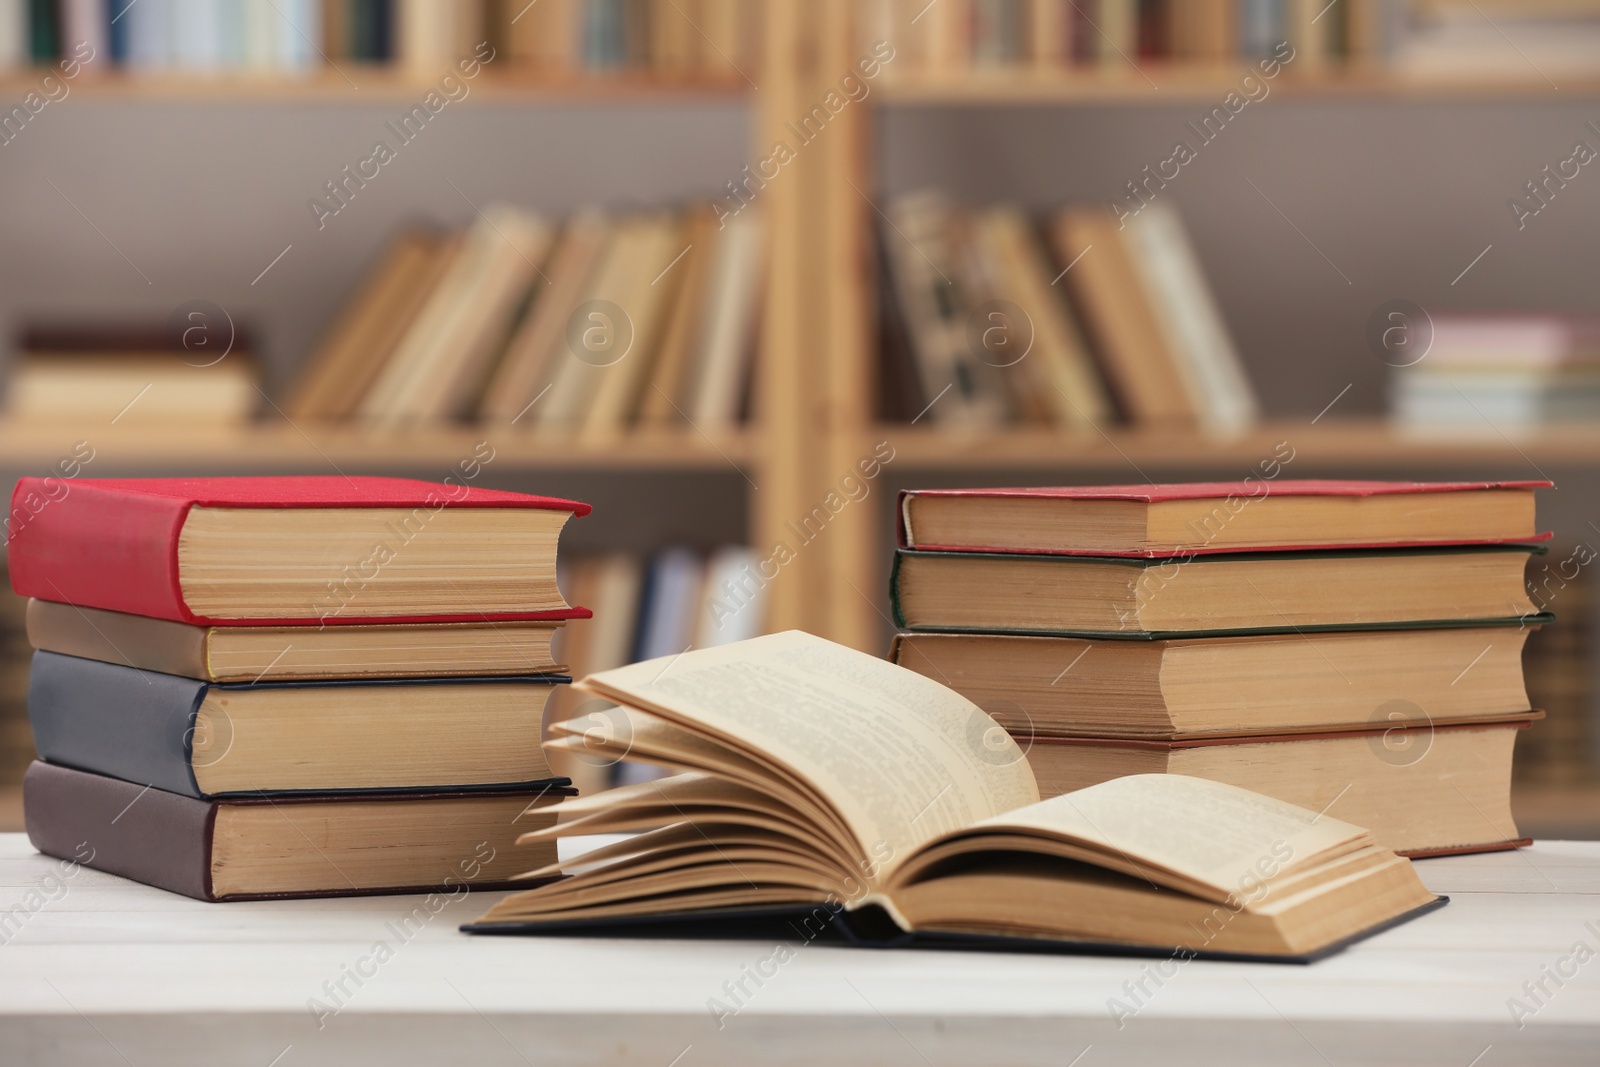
x: 1071, y: 389
x: 728, y: 329
x: 524, y: 374
x: 648, y: 300
x: 818, y: 780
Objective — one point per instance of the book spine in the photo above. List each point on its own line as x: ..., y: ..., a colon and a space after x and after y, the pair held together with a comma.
x: 96, y: 547
x: 120, y: 828
x: 121, y: 721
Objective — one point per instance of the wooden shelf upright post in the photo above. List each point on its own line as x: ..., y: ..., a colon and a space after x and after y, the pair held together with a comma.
x: 813, y: 400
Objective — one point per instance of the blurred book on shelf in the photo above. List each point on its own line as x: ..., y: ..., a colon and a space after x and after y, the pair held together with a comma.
x: 1480, y: 38
x: 982, y: 326
x: 1503, y: 369
x: 645, y: 607
x: 133, y: 374
x: 955, y: 36
x: 587, y: 328
x: 712, y: 40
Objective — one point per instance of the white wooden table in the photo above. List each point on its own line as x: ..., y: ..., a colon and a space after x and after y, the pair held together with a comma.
x: 109, y: 972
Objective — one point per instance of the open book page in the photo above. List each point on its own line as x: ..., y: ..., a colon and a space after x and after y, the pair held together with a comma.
x: 1217, y: 836
x: 902, y: 758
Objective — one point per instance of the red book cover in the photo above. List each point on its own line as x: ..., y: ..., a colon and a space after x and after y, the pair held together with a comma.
x: 1152, y: 493
x: 112, y: 543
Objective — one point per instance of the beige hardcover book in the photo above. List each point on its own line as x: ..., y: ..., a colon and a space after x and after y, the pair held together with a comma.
x: 949, y: 35
x: 815, y: 774
x: 1421, y: 788
x: 524, y: 374
x: 673, y: 37
x: 718, y: 45
x: 665, y: 400
x: 1047, y: 33
x: 1308, y: 33
x: 131, y: 388
x: 1118, y: 37
x: 1071, y: 391
x: 353, y: 352
x: 444, y: 356
x: 648, y: 299
x: 1117, y: 313
x: 1227, y: 686
x: 1187, y: 315
x: 594, y: 332
x: 285, y: 653
x: 426, y: 37
x: 728, y: 334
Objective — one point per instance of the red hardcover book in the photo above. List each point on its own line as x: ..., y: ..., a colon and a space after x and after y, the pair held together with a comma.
x: 1189, y: 518
x: 289, y: 550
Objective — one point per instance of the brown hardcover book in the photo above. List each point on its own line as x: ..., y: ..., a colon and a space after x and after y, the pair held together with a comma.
x: 285, y: 653
x: 1200, y: 595
x: 354, y: 351
x: 1259, y: 513
x: 666, y: 398
x: 301, y: 846
x: 1419, y: 787
x: 540, y: 340
x: 1144, y: 373
x: 1226, y: 686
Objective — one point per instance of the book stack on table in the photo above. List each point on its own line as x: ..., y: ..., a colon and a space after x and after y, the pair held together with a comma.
x: 1350, y: 647
x: 260, y: 687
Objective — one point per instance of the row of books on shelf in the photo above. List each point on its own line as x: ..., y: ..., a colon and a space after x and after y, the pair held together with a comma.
x: 701, y: 39
x: 1422, y: 37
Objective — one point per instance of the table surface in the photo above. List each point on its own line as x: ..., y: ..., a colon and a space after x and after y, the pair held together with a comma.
x: 98, y: 970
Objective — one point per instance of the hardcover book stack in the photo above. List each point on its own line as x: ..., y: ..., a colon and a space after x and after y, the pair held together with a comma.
x: 263, y: 687
x: 1351, y: 647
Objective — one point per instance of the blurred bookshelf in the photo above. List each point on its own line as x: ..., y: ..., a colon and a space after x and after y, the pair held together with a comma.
x: 815, y: 402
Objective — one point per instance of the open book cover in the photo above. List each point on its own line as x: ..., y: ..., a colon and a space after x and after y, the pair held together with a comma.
x: 817, y: 777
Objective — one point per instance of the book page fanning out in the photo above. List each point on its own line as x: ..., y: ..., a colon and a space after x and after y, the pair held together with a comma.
x: 900, y: 757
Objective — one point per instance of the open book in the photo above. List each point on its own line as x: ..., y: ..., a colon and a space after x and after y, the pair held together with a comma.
x: 824, y: 780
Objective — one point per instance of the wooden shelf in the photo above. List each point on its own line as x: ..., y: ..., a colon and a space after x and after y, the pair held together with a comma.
x: 358, y: 84
x: 35, y: 448
x: 1366, y: 444
x: 1165, y: 84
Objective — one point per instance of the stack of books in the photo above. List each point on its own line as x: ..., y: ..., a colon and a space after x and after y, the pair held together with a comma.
x: 1500, y: 369
x: 1350, y: 647
x: 253, y: 687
